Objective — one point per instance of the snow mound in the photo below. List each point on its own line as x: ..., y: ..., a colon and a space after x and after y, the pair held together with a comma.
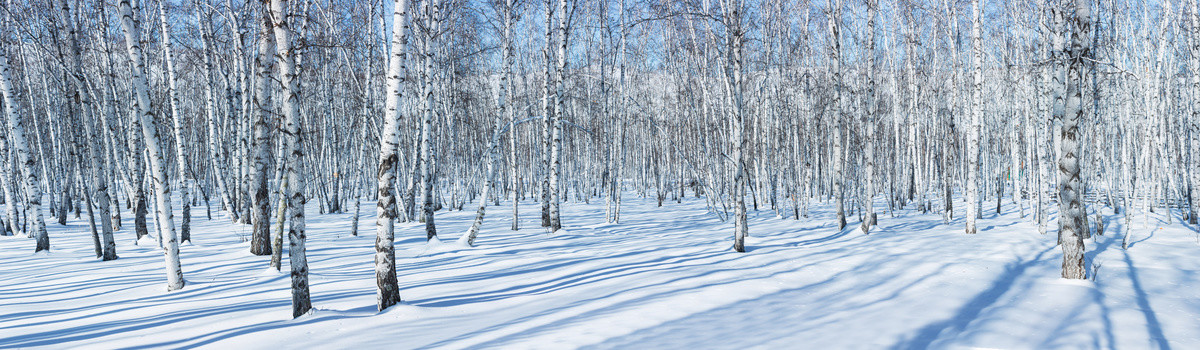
x: 435, y: 246
x: 272, y: 272
x: 462, y: 239
x: 147, y: 241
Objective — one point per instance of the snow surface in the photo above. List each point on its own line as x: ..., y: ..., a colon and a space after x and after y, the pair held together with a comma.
x: 662, y: 278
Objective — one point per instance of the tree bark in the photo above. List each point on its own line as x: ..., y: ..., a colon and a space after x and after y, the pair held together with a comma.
x: 388, y: 292
x: 285, y: 56
x: 162, y: 189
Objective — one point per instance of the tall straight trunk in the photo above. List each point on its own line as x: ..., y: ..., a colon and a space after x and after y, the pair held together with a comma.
x: 210, y: 112
x: 514, y: 173
x: 1160, y: 113
x: 912, y: 153
x: 1070, y: 220
x: 388, y: 292
x: 260, y: 218
x: 181, y: 152
x: 244, y: 96
x: 835, y: 20
x: 868, y: 144
x: 556, y: 121
x: 367, y: 105
x: 735, y: 75
x: 286, y: 56
x: 427, y: 162
x: 622, y: 108
x: 1058, y: 85
x: 1046, y: 83
x: 976, y: 114
x: 1194, y: 124
x: 547, y: 109
x: 16, y: 130
x: 162, y: 189
x: 951, y: 150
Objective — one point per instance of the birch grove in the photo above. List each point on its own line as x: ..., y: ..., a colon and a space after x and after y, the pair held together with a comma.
x: 1063, y: 108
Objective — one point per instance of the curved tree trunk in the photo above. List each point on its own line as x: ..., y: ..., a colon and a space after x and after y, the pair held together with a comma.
x: 162, y: 189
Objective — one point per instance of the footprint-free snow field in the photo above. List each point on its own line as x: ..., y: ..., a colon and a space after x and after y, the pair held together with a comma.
x: 662, y: 278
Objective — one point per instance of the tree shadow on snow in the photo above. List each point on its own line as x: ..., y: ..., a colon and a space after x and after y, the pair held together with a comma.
x: 971, y: 310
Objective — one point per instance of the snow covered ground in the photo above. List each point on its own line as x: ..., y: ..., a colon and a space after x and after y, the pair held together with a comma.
x: 662, y: 278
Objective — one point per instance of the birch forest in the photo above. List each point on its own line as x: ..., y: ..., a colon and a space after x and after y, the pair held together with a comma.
x: 159, y: 124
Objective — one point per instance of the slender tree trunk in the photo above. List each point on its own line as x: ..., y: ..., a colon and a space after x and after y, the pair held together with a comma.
x: 835, y: 20
x: 210, y: 111
x: 973, y: 166
x: 868, y: 144
x: 735, y: 75
x: 162, y: 189
x: 502, y: 112
x: 260, y: 218
x: 547, y: 109
x: 557, y: 120
x: 16, y: 130
x: 1194, y: 124
x: 286, y: 56
x: 181, y: 155
x: 388, y: 292
x: 427, y: 162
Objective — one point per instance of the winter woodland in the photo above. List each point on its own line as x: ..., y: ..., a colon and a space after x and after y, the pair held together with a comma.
x: 291, y: 127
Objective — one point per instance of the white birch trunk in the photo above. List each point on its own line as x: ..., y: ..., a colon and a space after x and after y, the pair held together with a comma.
x: 869, y: 145
x: 502, y: 112
x: 210, y: 111
x: 181, y: 153
x: 547, y: 109
x: 835, y: 20
x: 388, y: 292
x: 145, y: 114
x: 556, y: 121
x: 427, y: 162
x: 1070, y: 220
x: 1194, y: 124
x: 972, y: 190
x: 260, y: 144
x: 285, y: 56
x: 16, y: 130
x: 735, y: 75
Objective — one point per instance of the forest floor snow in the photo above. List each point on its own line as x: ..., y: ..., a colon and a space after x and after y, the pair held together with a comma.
x: 662, y: 278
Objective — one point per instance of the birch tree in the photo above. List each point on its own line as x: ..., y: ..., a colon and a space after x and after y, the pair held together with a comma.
x: 260, y: 218
x: 1194, y: 125
x: 19, y: 141
x: 181, y: 149
x: 430, y: 30
x: 871, y: 115
x: 735, y: 37
x: 972, y: 192
x: 835, y: 61
x: 285, y: 56
x: 1070, y: 219
x: 146, y: 117
x: 385, y: 252
x: 503, y: 112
